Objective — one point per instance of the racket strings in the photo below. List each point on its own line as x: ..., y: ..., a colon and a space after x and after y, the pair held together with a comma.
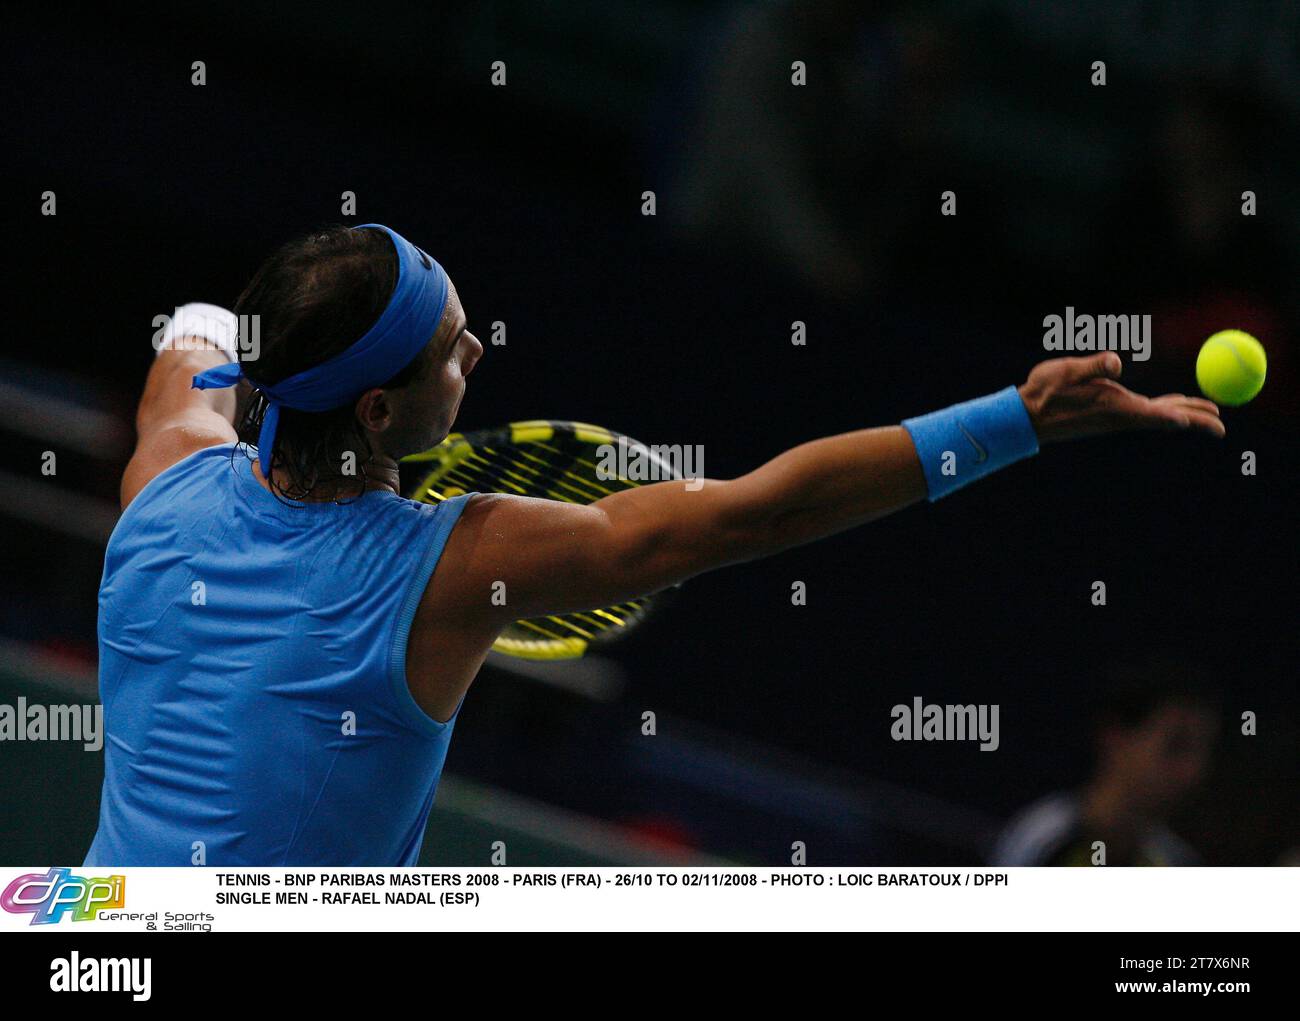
x: 567, y: 622
x: 555, y: 477
x: 555, y: 482
x: 548, y: 480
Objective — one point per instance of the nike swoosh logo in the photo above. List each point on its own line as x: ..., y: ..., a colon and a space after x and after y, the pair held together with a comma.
x: 981, y: 455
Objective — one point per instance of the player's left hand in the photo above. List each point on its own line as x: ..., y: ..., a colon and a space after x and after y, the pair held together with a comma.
x: 1072, y: 397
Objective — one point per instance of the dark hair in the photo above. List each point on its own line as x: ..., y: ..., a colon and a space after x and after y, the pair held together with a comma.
x: 314, y: 298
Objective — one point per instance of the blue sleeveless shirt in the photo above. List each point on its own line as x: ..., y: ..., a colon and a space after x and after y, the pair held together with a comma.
x: 252, y: 667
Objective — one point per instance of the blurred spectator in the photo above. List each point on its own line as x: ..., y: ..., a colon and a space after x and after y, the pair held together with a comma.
x: 820, y: 179
x: 1154, y: 732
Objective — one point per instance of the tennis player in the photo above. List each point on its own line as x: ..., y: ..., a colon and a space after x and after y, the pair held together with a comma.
x: 285, y: 641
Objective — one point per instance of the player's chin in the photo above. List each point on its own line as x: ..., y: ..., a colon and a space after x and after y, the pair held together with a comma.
x: 444, y: 428
x: 455, y: 413
x: 433, y: 437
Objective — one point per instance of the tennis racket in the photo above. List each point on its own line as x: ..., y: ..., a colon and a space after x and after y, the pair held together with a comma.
x: 552, y: 460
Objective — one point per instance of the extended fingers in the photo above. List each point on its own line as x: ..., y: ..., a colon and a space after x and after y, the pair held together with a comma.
x: 1206, y: 421
x: 1192, y: 402
x: 1211, y: 424
x: 1176, y: 411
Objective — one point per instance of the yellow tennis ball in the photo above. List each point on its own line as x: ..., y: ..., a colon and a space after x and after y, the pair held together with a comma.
x: 1230, y: 368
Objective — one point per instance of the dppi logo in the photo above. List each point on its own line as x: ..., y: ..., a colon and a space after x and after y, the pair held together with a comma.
x: 47, y: 898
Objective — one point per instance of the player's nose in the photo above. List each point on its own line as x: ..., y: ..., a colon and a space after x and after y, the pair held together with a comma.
x: 473, y: 352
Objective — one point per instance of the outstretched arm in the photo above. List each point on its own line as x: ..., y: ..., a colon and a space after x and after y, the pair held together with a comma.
x: 555, y: 557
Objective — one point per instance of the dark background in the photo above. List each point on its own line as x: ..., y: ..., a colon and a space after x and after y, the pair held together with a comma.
x: 774, y: 204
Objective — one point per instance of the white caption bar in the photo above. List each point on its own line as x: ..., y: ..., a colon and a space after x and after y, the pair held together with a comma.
x: 649, y: 899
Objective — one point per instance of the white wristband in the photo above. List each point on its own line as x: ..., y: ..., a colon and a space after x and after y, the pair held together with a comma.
x: 216, y: 325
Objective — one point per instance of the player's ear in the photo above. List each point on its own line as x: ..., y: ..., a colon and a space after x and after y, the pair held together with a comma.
x: 374, y: 410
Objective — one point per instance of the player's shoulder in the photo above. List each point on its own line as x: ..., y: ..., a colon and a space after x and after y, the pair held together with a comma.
x: 481, y: 506
x: 161, y: 487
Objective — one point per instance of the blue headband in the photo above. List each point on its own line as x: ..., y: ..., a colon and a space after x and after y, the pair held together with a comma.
x: 402, y: 332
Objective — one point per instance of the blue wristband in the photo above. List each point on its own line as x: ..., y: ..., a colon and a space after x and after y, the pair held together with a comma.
x: 968, y: 441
